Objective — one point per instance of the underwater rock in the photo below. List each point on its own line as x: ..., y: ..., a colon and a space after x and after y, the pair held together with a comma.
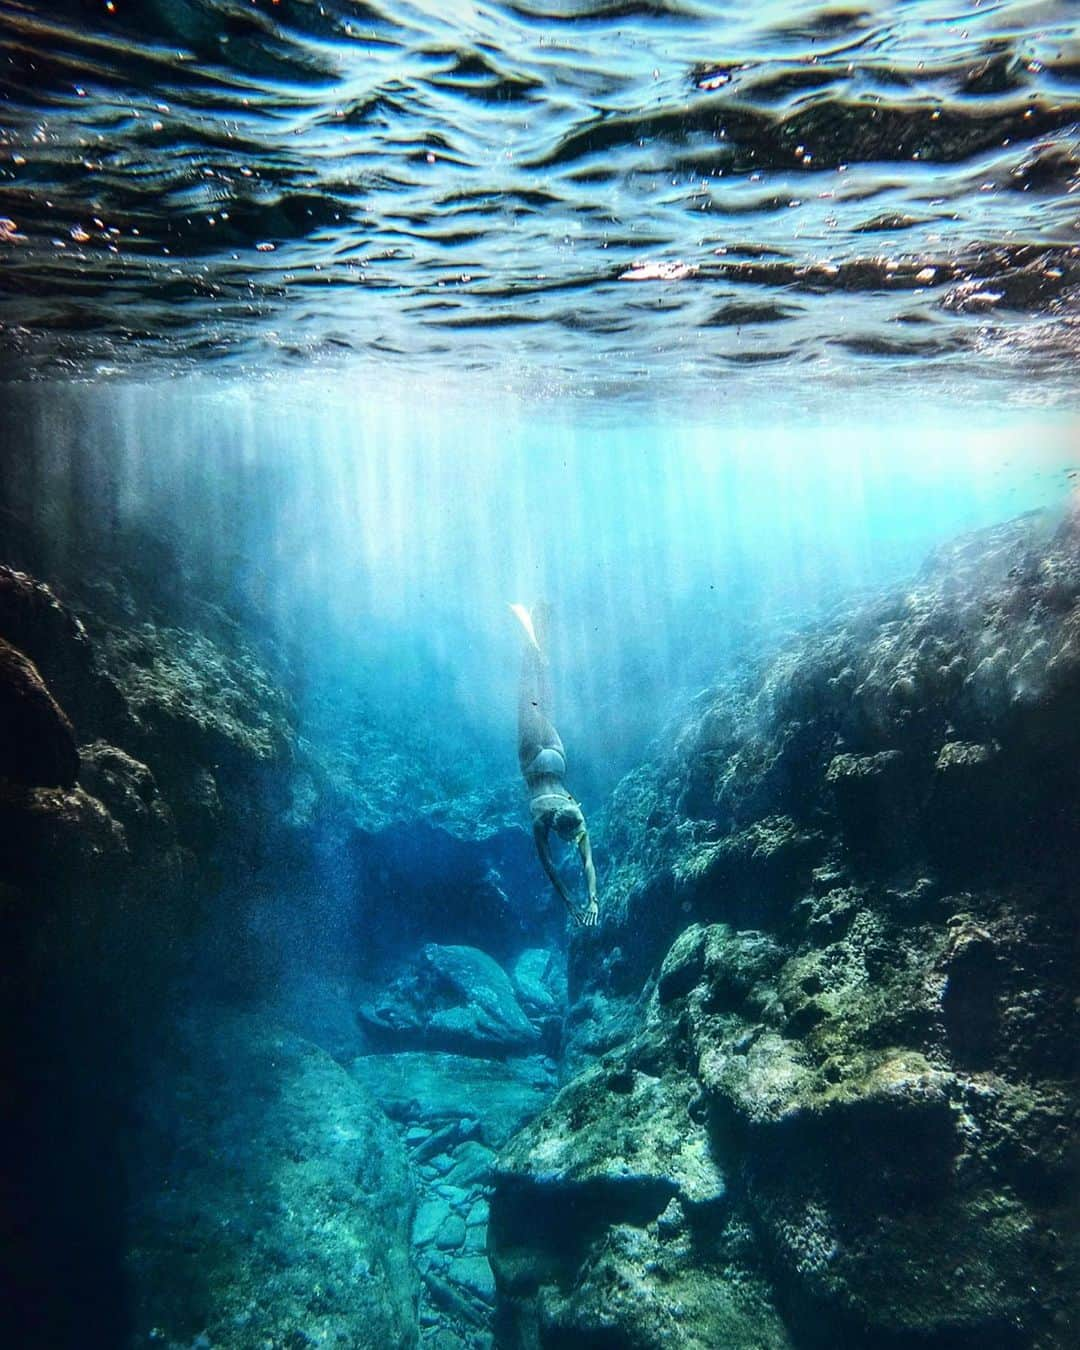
x: 56, y: 834
x: 447, y: 1296
x: 746, y: 874
x: 446, y: 1089
x: 451, y: 1233
x: 177, y: 682
x: 472, y: 1164
x: 612, y: 1224
x: 274, y: 1206
x: 35, y: 620
x: 453, y: 997
x: 619, y: 1131
x: 162, y: 717
x: 539, y: 980
x: 37, y: 742
x: 474, y: 1274
x: 129, y: 791
x: 844, y: 908
x: 430, y: 1217
x: 210, y: 721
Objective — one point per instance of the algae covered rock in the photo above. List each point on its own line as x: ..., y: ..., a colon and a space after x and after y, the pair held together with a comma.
x: 612, y: 1223
x: 272, y: 1201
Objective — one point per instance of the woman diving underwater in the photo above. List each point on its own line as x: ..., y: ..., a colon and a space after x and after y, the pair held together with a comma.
x: 543, y: 765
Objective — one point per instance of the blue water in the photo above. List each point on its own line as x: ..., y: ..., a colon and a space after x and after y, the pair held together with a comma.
x: 383, y: 537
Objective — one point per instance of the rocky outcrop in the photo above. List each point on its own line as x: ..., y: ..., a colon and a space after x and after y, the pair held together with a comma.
x: 35, y: 621
x: 157, y: 722
x: 176, y: 740
x: 832, y: 1005
x: 278, y: 1197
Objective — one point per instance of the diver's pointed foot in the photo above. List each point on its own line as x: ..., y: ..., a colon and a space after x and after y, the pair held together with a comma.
x: 526, y: 620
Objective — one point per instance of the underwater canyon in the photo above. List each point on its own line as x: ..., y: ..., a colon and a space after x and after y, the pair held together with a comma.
x: 680, y: 394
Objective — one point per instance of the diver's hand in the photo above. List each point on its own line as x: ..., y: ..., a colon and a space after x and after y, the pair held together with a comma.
x: 590, y: 915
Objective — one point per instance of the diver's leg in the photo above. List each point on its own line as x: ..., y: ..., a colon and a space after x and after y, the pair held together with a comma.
x: 535, y: 729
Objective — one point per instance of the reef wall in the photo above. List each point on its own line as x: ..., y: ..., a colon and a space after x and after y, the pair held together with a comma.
x: 822, y: 1052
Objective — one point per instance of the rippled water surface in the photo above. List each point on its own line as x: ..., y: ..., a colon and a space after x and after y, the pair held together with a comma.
x: 594, y: 191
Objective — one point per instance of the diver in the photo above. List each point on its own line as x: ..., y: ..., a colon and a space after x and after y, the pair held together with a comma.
x: 543, y: 764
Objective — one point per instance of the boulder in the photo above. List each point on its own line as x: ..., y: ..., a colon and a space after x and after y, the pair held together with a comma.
x: 539, y: 979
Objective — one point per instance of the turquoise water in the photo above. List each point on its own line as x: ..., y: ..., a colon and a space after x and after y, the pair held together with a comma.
x: 386, y: 534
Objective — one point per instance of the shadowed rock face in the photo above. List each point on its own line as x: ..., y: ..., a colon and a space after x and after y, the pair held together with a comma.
x: 37, y: 743
x: 848, y: 910
x: 102, y: 883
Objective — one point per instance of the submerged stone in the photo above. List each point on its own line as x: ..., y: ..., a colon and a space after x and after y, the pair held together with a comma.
x: 456, y: 998
x: 276, y: 1200
x: 474, y: 1273
x: 445, y: 1089
x: 430, y: 1217
x: 472, y: 1164
x: 539, y: 978
x: 451, y: 1233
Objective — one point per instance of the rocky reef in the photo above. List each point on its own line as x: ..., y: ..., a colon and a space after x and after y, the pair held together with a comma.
x: 821, y: 1054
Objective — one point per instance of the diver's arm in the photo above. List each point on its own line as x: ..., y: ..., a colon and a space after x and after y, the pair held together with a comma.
x: 591, y: 915
x: 540, y: 835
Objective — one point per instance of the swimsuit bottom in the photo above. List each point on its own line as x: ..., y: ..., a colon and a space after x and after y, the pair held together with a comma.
x: 548, y: 762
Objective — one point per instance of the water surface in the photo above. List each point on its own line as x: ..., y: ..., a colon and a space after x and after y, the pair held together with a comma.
x: 597, y: 194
